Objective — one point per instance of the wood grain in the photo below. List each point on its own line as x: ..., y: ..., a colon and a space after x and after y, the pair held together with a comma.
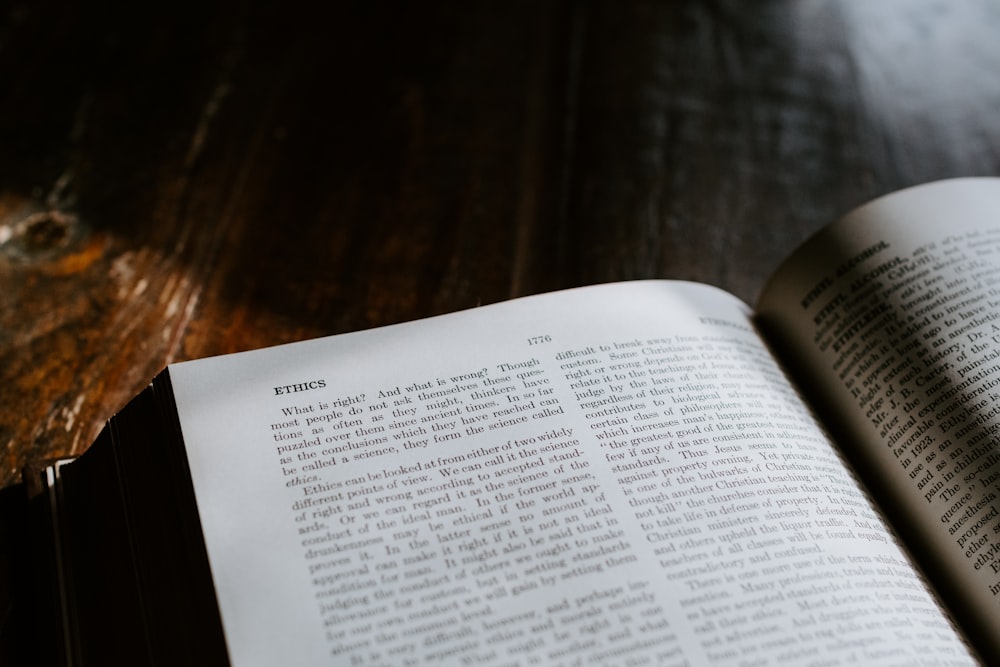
x: 177, y: 182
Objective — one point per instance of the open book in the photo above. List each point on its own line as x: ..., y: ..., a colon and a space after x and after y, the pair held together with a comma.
x: 634, y: 473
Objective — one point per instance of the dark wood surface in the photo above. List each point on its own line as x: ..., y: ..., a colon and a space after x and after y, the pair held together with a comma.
x: 177, y: 182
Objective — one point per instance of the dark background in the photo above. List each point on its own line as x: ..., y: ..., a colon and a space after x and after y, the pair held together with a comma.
x: 183, y: 180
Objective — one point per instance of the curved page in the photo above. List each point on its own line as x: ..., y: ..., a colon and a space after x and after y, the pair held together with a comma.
x: 892, y: 317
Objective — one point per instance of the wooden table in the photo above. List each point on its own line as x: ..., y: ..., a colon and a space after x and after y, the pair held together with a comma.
x: 176, y: 183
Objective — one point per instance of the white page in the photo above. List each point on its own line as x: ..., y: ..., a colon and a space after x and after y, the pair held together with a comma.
x: 656, y: 491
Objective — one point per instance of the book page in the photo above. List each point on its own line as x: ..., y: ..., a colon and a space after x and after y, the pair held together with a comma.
x: 612, y: 475
x: 892, y: 316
